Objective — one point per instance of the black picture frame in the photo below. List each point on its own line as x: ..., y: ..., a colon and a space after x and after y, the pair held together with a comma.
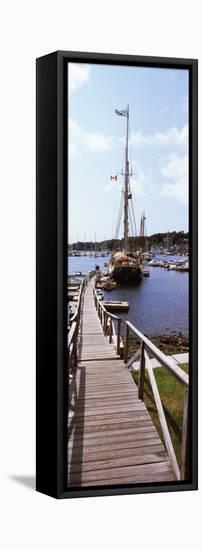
x: 51, y: 238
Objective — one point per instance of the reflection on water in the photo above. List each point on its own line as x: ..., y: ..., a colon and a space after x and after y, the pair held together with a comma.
x: 159, y: 305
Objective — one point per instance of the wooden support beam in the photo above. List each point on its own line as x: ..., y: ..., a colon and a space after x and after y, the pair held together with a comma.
x: 133, y: 358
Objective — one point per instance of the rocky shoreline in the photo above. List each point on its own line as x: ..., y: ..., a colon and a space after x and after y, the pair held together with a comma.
x: 168, y: 344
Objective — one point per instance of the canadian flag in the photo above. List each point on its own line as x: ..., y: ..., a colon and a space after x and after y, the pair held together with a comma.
x: 113, y: 178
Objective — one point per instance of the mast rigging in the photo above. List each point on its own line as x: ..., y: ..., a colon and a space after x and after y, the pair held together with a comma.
x: 127, y: 190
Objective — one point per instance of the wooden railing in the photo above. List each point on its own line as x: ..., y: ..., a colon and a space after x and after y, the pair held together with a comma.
x: 72, y: 337
x: 108, y: 322
x: 183, y: 378
x: 72, y: 347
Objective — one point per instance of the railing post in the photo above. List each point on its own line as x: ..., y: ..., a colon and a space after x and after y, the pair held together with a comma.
x: 105, y: 322
x: 126, y: 344
x: 74, y: 350
x: 110, y: 330
x: 142, y: 373
x: 118, y: 336
x: 70, y: 358
x: 185, y: 438
x: 75, y: 356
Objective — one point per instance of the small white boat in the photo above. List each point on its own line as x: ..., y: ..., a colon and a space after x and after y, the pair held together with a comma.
x: 100, y: 294
x: 156, y: 263
x: 184, y: 267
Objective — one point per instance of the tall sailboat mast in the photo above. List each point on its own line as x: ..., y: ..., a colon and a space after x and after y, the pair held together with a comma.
x: 125, y: 113
x: 125, y: 269
x: 126, y: 186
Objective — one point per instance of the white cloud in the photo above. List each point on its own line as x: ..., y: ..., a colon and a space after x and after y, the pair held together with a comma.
x: 137, y: 183
x: 176, y: 170
x: 113, y: 185
x: 77, y: 75
x: 91, y: 141
x: 96, y: 141
x: 173, y: 137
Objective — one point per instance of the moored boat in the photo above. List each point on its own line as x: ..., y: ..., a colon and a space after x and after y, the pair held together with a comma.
x: 156, y: 263
x: 100, y: 294
x: 125, y: 268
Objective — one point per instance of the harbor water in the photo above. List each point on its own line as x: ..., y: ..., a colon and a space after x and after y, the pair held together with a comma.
x: 157, y: 306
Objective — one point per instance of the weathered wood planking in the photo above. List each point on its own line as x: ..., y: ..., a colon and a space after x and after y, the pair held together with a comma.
x: 111, y: 437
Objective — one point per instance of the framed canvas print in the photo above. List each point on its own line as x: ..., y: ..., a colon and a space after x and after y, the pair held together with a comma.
x: 116, y: 274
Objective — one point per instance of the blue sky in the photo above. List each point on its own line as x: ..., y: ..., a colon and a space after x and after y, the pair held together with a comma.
x: 158, y: 147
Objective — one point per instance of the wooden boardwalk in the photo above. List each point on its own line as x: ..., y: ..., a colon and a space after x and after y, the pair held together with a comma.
x: 111, y: 437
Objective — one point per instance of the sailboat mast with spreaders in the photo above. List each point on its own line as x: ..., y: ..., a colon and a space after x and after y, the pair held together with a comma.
x: 126, y: 182
x: 124, y: 266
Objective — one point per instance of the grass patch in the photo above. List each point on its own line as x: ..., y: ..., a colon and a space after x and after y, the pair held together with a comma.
x: 172, y: 397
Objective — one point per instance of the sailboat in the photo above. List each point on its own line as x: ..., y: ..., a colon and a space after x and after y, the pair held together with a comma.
x: 96, y: 253
x: 125, y: 266
x: 85, y: 253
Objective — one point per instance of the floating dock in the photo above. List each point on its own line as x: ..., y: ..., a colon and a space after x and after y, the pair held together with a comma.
x: 116, y: 306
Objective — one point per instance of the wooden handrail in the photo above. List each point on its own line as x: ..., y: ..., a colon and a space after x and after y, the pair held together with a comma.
x: 162, y: 418
x: 72, y: 346
x: 142, y: 372
x: 104, y: 309
x: 74, y: 329
x: 71, y: 334
x: 79, y: 300
x: 181, y: 377
x: 106, y: 316
x: 176, y: 371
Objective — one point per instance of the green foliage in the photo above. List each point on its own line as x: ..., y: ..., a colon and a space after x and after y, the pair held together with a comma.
x: 158, y: 239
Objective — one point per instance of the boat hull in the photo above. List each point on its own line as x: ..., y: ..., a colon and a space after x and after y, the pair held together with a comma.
x: 126, y: 274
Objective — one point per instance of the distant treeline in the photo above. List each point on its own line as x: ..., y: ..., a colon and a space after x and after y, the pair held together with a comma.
x: 169, y: 239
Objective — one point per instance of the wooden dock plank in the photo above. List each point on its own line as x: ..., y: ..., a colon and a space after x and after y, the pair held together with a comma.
x: 110, y: 473
x: 91, y: 455
x: 117, y: 445
x: 134, y: 460
x: 149, y: 477
x: 112, y: 439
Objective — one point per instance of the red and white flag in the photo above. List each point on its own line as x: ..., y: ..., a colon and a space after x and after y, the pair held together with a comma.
x: 113, y: 178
